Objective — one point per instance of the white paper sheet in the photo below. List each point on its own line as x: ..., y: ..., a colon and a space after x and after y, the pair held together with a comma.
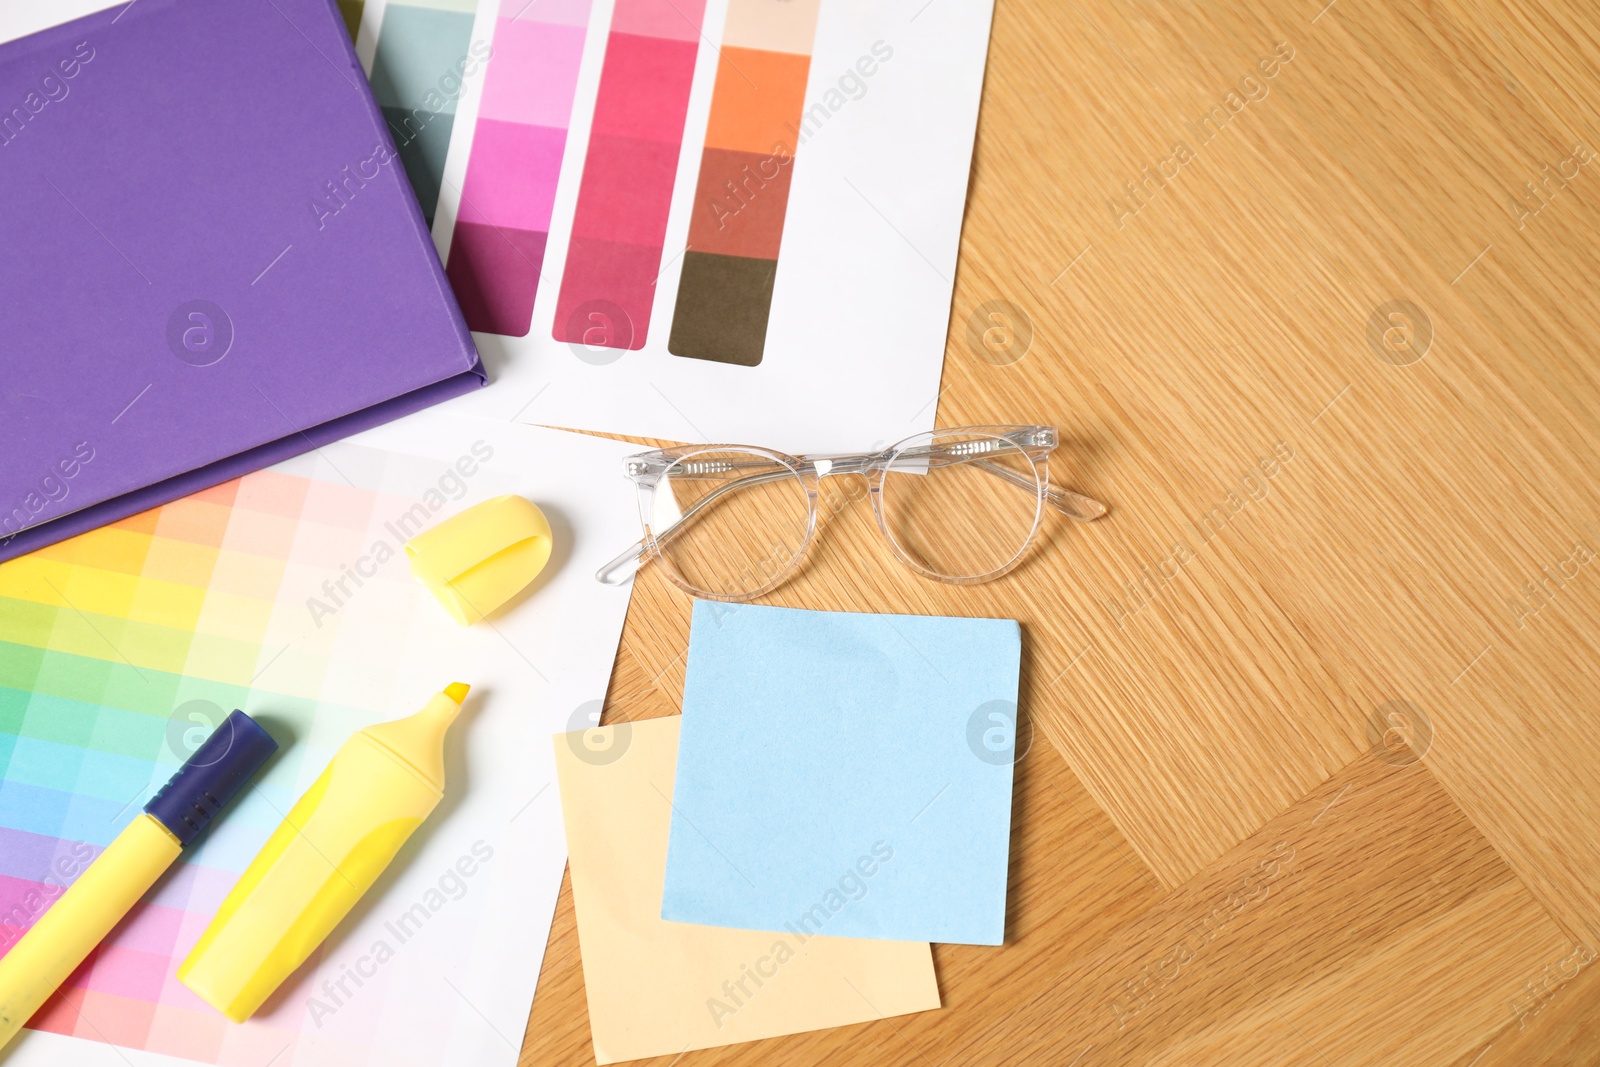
x: 861, y: 303
x: 300, y: 644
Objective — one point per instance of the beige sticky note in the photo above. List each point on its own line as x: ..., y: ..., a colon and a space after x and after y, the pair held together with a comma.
x: 658, y: 988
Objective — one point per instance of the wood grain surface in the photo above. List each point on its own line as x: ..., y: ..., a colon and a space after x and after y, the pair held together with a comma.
x: 1310, y: 290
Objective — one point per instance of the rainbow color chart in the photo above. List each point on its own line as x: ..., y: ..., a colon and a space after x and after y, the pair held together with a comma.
x: 286, y: 593
x: 97, y: 635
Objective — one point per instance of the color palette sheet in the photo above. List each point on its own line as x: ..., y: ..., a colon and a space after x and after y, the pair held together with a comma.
x: 508, y: 195
x: 742, y: 196
x: 286, y: 593
x: 772, y: 187
x: 608, y: 285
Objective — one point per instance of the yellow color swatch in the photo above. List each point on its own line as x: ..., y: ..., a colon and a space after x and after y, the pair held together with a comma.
x: 658, y: 988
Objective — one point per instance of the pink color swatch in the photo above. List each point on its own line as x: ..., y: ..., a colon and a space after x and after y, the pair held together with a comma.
x: 620, y: 224
x: 510, y: 187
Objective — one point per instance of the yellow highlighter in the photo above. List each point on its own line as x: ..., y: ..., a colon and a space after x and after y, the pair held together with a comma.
x: 334, y: 843
x: 65, y: 935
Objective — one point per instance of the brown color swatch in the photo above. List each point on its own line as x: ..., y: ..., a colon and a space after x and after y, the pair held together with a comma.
x: 723, y: 304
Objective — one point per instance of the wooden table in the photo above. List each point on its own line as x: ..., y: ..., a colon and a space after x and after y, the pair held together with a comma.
x: 1316, y: 773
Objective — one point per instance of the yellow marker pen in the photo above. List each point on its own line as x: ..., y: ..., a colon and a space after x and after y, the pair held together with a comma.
x: 66, y: 934
x: 327, y: 852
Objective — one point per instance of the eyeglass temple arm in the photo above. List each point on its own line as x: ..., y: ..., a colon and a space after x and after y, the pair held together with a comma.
x: 1072, y: 505
x: 624, y: 566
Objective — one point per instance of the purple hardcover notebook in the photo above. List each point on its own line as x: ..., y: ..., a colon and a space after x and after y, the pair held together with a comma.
x: 210, y: 259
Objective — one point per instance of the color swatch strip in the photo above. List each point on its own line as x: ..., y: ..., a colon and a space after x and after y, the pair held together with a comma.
x: 420, y: 66
x: 742, y: 196
x: 620, y: 225
x: 509, y: 190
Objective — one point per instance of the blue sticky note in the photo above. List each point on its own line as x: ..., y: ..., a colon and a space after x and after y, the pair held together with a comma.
x: 845, y: 774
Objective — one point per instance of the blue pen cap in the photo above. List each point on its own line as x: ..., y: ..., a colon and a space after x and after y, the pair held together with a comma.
x: 211, y: 776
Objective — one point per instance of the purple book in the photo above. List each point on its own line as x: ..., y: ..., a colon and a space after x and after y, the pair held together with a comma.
x: 210, y: 259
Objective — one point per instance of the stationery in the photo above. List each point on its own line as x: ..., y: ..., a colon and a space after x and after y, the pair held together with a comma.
x: 287, y: 593
x: 335, y: 842
x: 845, y: 774
x: 81, y: 916
x: 660, y: 988
x: 213, y: 259
x: 480, y: 558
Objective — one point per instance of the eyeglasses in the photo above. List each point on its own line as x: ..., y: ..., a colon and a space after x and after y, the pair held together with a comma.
x: 730, y: 522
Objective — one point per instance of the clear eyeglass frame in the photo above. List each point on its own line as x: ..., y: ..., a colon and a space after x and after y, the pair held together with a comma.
x: 1025, y: 447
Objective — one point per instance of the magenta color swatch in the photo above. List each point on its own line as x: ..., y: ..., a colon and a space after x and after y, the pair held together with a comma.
x: 516, y: 184
x: 495, y: 272
x: 595, y: 265
x: 509, y: 192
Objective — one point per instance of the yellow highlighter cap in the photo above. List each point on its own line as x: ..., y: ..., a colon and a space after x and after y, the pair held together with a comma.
x: 475, y: 561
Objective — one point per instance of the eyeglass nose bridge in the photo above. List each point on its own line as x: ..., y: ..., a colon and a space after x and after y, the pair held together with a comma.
x: 813, y: 469
x: 828, y: 466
